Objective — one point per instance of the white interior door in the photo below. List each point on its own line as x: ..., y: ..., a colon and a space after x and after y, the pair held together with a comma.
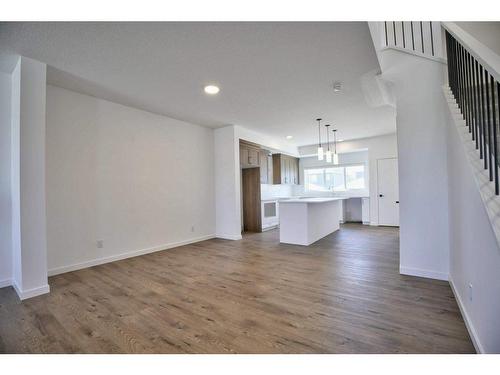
x: 388, y: 192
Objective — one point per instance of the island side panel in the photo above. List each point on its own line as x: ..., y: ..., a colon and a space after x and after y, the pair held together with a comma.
x: 293, y: 223
x: 323, y: 219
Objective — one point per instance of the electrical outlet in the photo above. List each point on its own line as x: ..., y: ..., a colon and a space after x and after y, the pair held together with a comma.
x: 470, y: 292
x: 100, y: 244
x: 192, y: 228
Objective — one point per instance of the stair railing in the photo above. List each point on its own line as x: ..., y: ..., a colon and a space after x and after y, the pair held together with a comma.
x: 419, y: 37
x: 475, y: 85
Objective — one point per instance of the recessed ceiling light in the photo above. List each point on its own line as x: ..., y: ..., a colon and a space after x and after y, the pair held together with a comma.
x: 289, y: 136
x: 211, y: 89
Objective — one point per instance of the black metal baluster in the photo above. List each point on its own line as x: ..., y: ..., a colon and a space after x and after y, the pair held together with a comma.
x: 483, y: 116
x: 455, y: 55
x: 471, y: 99
x: 386, y: 40
x: 464, y: 87
x: 495, y: 144
x: 422, y: 36
x: 476, y: 100
x: 448, y: 57
x: 466, y: 95
x: 454, y: 65
x: 490, y: 138
x: 412, y: 37
x: 403, y: 30
x: 479, y: 112
x: 432, y: 39
x: 459, y: 92
x: 461, y: 81
x: 467, y: 85
x: 394, y: 29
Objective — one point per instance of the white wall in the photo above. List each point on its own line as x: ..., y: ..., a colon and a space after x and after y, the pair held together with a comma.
x: 29, y: 244
x: 5, y: 192
x: 138, y: 181
x: 474, y: 250
x: 423, y: 185
x: 15, y: 179
x: 227, y: 184
x: 381, y: 147
x: 487, y: 33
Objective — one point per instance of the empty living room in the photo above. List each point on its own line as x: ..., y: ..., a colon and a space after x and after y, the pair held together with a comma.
x: 249, y: 181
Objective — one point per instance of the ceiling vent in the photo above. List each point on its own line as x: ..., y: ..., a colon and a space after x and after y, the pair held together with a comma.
x: 337, y: 86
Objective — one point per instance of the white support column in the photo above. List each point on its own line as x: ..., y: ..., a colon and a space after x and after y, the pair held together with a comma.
x: 227, y: 184
x: 29, y: 243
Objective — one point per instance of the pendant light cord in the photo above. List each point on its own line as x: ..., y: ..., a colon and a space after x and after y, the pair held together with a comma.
x: 319, y: 131
x: 327, y: 137
x: 335, y: 140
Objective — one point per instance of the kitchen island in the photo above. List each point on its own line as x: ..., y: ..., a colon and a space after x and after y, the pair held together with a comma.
x: 304, y: 221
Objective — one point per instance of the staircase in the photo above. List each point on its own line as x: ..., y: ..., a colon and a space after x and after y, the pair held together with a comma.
x: 449, y: 156
x: 473, y: 96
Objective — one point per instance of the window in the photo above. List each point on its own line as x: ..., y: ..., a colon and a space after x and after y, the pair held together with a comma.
x: 351, y: 177
x: 335, y: 179
x: 355, y: 177
x: 315, y: 179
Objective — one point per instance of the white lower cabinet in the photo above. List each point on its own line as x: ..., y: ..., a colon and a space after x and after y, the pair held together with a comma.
x: 365, y: 211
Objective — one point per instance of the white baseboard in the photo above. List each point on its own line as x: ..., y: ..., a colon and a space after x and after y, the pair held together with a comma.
x: 468, y: 323
x: 130, y: 254
x: 233, y: 237
x: 423, y: 273
x: 30, y: 293
x: 5, y: 282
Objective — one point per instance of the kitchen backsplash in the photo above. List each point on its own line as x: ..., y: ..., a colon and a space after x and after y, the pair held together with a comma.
x: 268, y: 191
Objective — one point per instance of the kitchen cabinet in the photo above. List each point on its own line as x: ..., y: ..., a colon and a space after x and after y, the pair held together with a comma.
x: 365, y: 210
x: 249, y: 155
x: 266, y: 167
x: 285, y: 169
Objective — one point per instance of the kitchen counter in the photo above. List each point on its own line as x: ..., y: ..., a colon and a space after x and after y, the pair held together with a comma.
x: 304, y: 221
x: 311, y: 200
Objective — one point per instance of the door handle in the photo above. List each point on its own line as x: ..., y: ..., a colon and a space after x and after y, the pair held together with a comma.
x: 397, y: 201
x: 381, y: 195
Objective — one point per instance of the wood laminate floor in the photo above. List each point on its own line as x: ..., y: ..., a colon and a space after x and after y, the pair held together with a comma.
x: 343, y: 294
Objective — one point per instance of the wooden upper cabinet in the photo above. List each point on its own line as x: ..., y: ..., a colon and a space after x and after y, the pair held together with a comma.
x: 285, y: 169
x: 253, y: 157
x: 266, y: 169
x: 249, y: 155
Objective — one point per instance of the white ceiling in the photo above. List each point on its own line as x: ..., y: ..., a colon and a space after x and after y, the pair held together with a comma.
x: 275, y: 78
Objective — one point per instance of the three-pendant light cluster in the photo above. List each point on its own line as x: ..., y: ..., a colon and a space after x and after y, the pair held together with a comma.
x: 328, y: 154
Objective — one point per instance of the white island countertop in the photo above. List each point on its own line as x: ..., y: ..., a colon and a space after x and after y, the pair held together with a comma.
x: 312, y: 200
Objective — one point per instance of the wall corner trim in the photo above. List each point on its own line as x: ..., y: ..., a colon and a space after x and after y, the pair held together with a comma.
x: 30, y: 293
x: 423, y: 273
x: 468, y: 322
x: 233, y: 237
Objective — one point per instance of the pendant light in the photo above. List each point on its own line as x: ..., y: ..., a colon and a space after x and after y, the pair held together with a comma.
x: 320, y: 148
x: 328, y: 152
x: 335, y: 155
